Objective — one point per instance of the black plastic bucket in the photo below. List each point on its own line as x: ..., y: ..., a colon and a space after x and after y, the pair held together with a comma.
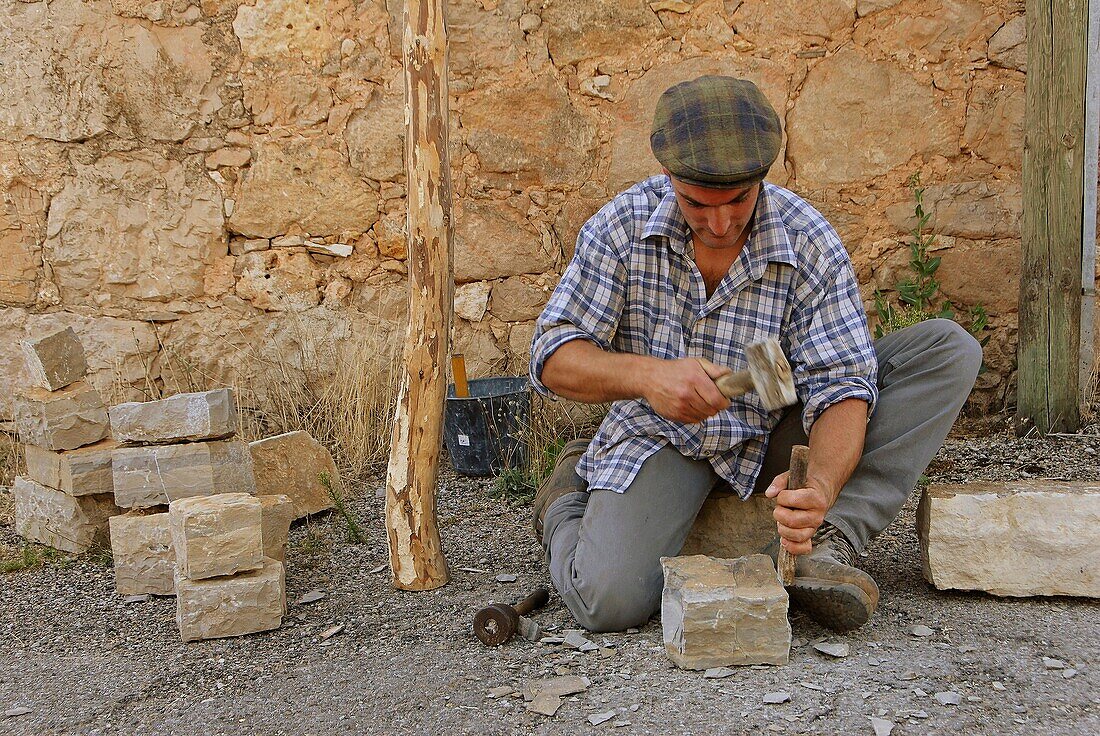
x: 484, y: 432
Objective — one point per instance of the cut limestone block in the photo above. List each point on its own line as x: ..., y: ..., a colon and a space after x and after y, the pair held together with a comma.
x: 278, y: 513
x: 152, y: 475
x: 728, y: 527
x: 61, y: 521
x: 719, y: 612
x: 144, y: 559
x: 205, y: 415
x: 292, y: 464
x: 1034, y: 537
x: 84, y: 471
x: 231, y: 606
x: 217, y: 535
x: 61, y: 420
x: 55, y: 360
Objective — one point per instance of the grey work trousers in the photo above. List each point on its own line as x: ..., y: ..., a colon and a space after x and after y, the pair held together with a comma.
x: 604, y: 548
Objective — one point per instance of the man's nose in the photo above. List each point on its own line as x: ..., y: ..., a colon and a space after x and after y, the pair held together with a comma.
x: 719, y: 221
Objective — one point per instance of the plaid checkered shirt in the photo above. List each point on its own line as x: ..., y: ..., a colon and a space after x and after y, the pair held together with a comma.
x: 632, y: 287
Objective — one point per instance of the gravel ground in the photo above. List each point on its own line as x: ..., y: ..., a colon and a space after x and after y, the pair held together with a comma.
x: 81, y: 660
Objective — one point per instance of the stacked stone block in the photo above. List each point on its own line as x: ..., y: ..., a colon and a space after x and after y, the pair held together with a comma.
x: 225, y: 585
x: 175, y: 448
x: 66, y: 497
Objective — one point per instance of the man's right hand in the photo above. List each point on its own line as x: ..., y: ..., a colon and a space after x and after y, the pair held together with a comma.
x: 683, y: 390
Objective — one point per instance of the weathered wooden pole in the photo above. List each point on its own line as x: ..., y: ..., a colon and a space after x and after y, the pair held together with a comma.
x: 1048, y: 382
x: 1092, y: 155
x: 416, y: 556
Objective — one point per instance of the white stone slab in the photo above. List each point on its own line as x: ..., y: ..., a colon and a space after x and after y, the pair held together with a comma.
x: 64, y: 522
x: 217, y: 535
x: 1022, y: 538
x: 202, y: 415
x: 85, y: 471
x: 154, y: 475
x: 231, y: 606
x: 145, y: 562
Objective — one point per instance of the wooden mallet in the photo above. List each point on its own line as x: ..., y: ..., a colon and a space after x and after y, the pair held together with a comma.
x: 769, y: 374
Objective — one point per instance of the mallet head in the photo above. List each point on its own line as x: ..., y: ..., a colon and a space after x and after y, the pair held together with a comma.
x: 496, y: 623
x: 771, y: 374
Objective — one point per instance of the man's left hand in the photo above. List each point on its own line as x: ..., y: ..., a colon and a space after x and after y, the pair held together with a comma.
x: 799, y: 512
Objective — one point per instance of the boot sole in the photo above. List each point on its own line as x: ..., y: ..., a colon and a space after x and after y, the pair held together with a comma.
x: 837, y: 606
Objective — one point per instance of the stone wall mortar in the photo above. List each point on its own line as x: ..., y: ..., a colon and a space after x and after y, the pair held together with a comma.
x: 176, y: 176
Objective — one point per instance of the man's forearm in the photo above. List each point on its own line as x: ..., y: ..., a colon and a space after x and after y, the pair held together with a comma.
x: 836, y: 444
x: 580, y: 370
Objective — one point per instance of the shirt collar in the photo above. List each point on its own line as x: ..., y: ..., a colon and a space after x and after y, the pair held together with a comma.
x: 667, y: 221
x: 767, y: 242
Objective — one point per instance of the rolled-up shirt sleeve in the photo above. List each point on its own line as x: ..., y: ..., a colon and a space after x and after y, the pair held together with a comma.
x: 829, y: 345
x: 587, y: 302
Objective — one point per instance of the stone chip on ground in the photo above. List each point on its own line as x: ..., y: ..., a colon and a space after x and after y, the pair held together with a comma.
x: 1019, y: 538
x: 838, y: 649
x: 55, y: 360
x: 56, y: 519
x: 217, y: 535
x: 145, y: 560
x: 154, y: 475
x: 61, y: 420
x: 203, y: 415
x: 292, y: 464
x: 84, y: 471
x: 718, y: 612
x: 231, y: 606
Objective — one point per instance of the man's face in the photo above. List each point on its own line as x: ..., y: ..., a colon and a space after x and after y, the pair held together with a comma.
x: 718, y: 217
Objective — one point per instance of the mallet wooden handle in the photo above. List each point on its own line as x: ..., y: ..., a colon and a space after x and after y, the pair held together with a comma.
x: 537, y: 599
x: 733, y: 385
x: 796, y: 478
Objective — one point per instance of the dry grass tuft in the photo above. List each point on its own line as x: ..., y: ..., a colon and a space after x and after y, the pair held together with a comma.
x: 343, y: 395
x: 11, y: 462
x: 552, y: 424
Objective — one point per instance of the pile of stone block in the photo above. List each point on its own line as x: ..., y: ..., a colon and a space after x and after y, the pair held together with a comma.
x: 173, y: 448
x: 66, y: 497
x: 225, y: 583
x: 194, y: 527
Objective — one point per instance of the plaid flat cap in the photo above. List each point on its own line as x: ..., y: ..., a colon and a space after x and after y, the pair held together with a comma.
x: 715, y: 132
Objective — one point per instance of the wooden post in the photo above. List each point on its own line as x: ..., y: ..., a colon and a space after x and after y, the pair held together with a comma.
x: 416, y: 556
x: 1088, y: 239
x: 1048, y: 382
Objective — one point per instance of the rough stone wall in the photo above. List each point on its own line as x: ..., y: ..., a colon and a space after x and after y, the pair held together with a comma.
x: 181, y: 179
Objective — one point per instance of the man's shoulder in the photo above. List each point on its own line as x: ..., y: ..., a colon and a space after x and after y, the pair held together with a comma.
x: 797, y: 214
x: 627, y: 213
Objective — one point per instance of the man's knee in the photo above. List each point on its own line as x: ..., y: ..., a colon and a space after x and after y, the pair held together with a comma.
x: 956, y: 348
x: 965, y: 352
x: 615, y: 602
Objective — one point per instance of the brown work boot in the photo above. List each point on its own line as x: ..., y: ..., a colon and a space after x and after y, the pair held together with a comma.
x: 827, y: 584
x: 563, y: 479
